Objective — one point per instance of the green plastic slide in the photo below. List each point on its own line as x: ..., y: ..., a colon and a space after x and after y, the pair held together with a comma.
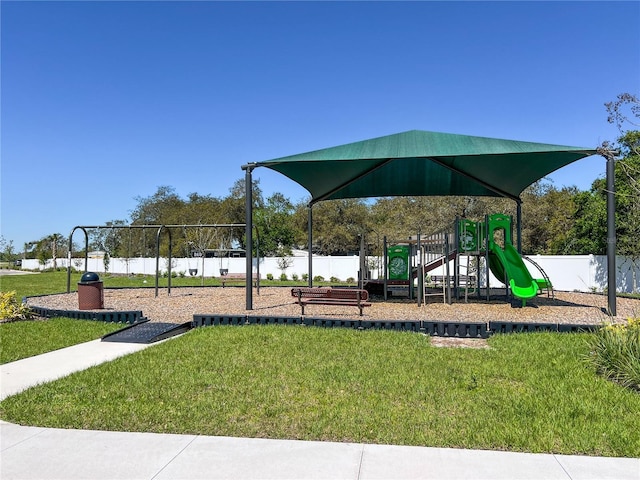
x: 508, y: 264
x: 509, y: 261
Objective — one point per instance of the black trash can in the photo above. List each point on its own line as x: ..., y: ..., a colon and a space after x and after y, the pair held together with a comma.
x: 90, y: 292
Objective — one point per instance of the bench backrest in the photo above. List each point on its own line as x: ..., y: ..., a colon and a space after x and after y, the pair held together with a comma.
x: 349, y: 294
x: 309, y: 292
x: 341, y: 293
x: 239, y: 276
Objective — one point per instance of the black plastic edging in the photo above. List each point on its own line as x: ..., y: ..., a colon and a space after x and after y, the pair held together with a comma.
x: 432, y: 328
x: 110, y: 316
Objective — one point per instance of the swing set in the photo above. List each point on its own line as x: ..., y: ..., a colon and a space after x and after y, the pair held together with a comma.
x: 159, y: 229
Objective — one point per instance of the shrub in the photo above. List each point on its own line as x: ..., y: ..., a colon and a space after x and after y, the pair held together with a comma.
x: 305, y: 277
x: 11, y: 309
x: 318, y: 278
x: 334, y: 279
x: 351, y: 280
x: 295, y: 277
x: 283, y: 277
x: 269, y: 276
x: 615, y: 352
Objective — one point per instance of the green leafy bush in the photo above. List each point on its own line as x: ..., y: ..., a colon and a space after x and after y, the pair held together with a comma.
x: 283, y: 277
x: 305, y: 277
x: 615, y: 352
x: 295, y: 277
x: 318, y: 278
x: 11, y: 309
x: 334, y: 280
x: 269, y: 276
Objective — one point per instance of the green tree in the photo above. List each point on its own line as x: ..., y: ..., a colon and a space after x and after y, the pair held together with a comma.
x: 7, y: 253
x: 624, y: 112
x: 275, y: 222
x: 110, y: 240
x: 338, y: 224
x: 588, y: 234
x: 164, y: 207
x: 233, y: 207
x: 547, y: 218
x: 49, y: 247
x: 628, y: 201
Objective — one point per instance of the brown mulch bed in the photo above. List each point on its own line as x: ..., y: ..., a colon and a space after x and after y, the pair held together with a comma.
x: 180, y: 306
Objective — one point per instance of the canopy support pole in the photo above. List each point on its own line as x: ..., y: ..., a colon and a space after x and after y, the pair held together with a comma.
x: 384, y: 265
x: 310, y: 243
x: 519, y: 224
x: 611, y: 231
x: 248, y: 229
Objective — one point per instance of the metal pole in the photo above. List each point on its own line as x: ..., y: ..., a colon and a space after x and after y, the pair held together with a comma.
x: 384, y: 266
x: 257, y: 262
x: 158, y: 235
x: 448, y: 273
x: 419, y: 272
x: 486, y: 254
x: 157, y: 256
x: 310, y: 243
x: 362, y: 264
x: 170, y: 260
x: 519, y: 224
x: 456, y: 261
x: 611, y: 234
x: 248, y: 184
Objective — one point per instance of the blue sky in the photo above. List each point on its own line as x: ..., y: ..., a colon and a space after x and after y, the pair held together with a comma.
x: 103, y: 102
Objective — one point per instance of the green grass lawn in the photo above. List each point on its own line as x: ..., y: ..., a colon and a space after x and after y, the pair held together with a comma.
x: 529, y: 392
x: 24, y: 339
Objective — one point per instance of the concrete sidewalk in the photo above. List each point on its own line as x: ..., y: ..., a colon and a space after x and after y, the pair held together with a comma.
x: 48, y: 454
x: 18, y: 376
x: 43, y: 454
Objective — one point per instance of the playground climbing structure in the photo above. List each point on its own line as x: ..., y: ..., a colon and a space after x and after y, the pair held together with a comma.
x: 491, y: 240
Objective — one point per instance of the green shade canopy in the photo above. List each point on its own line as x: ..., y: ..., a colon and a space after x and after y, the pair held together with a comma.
x: 420, y: 163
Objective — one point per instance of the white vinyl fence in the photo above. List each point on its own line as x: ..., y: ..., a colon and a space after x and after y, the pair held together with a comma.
x: 584, y: 273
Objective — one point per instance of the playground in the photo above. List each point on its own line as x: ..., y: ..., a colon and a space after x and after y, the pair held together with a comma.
x: 415, y: 272
x: 277, y: 302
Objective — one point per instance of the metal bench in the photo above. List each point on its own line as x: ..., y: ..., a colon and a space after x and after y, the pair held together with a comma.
x: 331, y: 296
x: 238, y: 278
x: 463, y: 279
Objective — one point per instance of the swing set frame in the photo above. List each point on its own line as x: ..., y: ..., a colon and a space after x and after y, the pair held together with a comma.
x: 159, y: 229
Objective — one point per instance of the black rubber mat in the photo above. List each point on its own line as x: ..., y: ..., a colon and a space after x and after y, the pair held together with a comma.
x: 147, y: 332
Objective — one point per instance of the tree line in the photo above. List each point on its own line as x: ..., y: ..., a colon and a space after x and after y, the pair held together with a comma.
x: 555, y: 221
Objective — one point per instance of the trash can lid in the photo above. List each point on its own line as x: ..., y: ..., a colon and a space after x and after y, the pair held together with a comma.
x: 89, y: 277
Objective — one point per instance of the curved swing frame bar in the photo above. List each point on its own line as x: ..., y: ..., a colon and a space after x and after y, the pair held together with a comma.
x: 159, y: 230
